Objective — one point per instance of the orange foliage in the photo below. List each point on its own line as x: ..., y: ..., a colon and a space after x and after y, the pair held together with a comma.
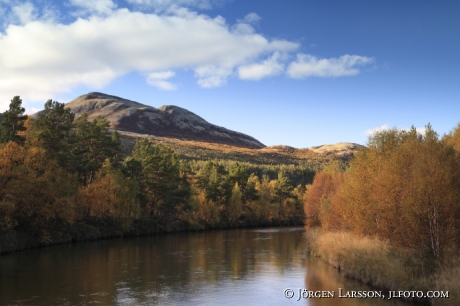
x: 110, y: 195
x: 318, y: 205
x: 35, y: 190
x: 404, y: 187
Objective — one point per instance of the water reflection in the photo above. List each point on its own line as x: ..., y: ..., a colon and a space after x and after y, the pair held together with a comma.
x: 321, y: 277
x: 242, y: 267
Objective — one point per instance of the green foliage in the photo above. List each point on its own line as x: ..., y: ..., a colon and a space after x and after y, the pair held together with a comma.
x: 91, y: 144
x: 51, y: 131
x: 283, y: 191
x: 13, y: 122
x: 297, y: 173
x: 166, y: 191
x: 213, y: 179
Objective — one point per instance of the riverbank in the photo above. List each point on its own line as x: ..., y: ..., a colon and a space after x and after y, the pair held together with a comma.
x: 376, y: 263
x: 17, y: 240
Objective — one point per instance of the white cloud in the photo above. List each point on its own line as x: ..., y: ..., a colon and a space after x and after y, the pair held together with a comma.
x: 421, y: 131
x: 23, y: 13
x: 212, y: 76
x: 43, y: 58
x: 269, y: 67
x: 16, y: 12
x: 381, y: 128
x: 31, y: 110
x: 385, y: 127
x: 251, y: 18
x: 157, y: 79
x: 166, y: 4
x: 307, y: 65
x: 94, y: 6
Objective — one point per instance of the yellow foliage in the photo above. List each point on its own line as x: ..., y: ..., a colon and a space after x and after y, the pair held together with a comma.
x: 208, y: 212
x: 234, y: 208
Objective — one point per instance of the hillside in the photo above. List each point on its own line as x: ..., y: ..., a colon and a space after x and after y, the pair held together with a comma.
x: 194, y: 138
x: 167, y: 121
x: 314, y: 157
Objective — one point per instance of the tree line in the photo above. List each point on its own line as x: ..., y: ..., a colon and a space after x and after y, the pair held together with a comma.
x: 404, y: 187
x: 58, y: 171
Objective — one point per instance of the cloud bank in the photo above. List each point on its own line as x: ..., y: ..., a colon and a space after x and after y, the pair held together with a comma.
x: 41, y: 56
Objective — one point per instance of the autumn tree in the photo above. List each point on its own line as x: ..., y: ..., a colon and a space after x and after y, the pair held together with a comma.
x: 111, y: 195
x: 35, y: 191
x: 235, y: 205
x: 318, y: 203
x: 404, y: 187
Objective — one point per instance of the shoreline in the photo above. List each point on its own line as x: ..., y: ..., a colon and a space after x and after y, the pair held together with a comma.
x: 16, y: 241
x: 375, y: 263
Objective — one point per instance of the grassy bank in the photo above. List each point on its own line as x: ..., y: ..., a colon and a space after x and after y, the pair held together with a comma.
x: 376, y: 263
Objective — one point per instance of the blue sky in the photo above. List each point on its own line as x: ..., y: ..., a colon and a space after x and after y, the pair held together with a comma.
x: 294, y: 72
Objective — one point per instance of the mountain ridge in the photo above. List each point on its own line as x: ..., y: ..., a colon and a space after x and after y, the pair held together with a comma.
x: 165, y: 121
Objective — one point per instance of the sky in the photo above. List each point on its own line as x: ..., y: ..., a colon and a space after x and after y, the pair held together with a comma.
x: 295, y: 72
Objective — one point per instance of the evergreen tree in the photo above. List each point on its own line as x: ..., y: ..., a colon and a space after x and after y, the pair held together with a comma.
x: 92, y: 143
x: 214, y: 180
x: 13, y: 122
x: 166, y: 192
x: 52, y: 130
x: 283, y: 191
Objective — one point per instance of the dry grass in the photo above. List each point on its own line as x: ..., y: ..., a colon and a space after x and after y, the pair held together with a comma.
x: 448, y: 279
x: 375, y: 262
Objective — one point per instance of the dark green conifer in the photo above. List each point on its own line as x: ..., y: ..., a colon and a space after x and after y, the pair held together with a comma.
x: 13, y: 122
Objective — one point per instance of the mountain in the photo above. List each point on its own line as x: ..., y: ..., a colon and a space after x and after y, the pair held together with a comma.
x: 167, y: 121
x: 192, y: 137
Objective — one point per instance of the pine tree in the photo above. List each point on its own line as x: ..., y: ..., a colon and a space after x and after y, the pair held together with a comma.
x: 92, y: 143
x: 283, y: 191
x: 51, y: 131
x: 165, y: 191
x: 13, y: 122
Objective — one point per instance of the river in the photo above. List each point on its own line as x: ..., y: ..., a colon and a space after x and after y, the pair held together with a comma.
x: 226, y: 267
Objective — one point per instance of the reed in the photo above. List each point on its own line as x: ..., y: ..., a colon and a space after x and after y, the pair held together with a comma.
x: 377, y: 263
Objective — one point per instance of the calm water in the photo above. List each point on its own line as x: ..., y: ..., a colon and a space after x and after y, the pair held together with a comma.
x: 231, y: 267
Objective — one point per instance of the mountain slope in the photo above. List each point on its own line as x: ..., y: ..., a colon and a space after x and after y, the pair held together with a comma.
x: 166, y: 121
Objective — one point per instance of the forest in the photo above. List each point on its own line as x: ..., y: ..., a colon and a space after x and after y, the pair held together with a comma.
x: 65, y: 179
